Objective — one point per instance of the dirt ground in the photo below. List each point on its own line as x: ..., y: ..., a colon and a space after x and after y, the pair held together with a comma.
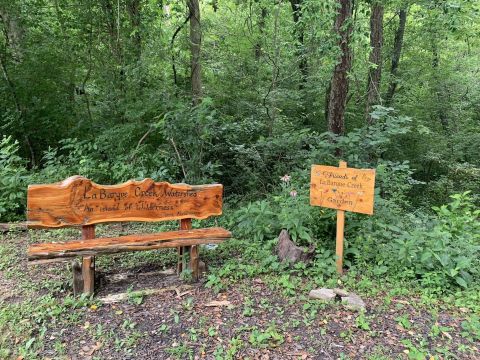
x: 252, y: 319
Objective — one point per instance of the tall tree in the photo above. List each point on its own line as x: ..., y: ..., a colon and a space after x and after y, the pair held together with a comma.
x: 195, y: 48
x: 397, y: 51
x: 375, y: 70
x: 297, y: 8
x: 261, y: 30
x: 133, y: 9
x: 339, y: 83
x: 12, y: 44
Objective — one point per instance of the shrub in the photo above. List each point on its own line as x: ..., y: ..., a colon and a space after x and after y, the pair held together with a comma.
x: 13, y: 180
x: 441, y: 250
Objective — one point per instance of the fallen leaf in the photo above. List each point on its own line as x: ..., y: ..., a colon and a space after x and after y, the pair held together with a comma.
x: 97, y: 346
x: 447, y: 335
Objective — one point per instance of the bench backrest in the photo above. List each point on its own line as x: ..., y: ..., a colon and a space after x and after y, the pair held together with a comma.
x: 79, y: 201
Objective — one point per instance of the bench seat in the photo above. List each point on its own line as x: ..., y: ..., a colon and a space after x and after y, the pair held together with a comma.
x: 111, y: 245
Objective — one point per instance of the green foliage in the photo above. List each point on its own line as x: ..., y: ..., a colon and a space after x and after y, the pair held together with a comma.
x: 290, y: 210
x: 89, y: 92
x: 471, y: 328
x: 96, y: 161
x: 269, y: 337
x: 13, y: 180
x: 441, y: 251
x: 28, y: 321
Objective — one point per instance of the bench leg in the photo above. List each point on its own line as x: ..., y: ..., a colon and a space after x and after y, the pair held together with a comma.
x: 77, y: 278
x: 88, y: 272
x: 88, y: 262
x: 179, y: 260
x: 194, y: 262
x: 185, y: 224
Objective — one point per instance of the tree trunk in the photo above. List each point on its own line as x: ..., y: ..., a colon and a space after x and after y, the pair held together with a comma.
x: 195, y: 47
x: 261, y: 30
x: 271, y: 106
x: 133, y: 8
x: 13, y: 33
x: 339, y: 83
x: 397, y: 50
x: 302, y: 61
x: 13, y: 37
x: 112, y: 22
x: 375, y: 71
x: 439, y: 89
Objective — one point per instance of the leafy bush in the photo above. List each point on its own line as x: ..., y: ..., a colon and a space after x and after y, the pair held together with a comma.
x: 90, y: 159
x: 289, y: 209
x: 441, y: 250
x: 13, y: 180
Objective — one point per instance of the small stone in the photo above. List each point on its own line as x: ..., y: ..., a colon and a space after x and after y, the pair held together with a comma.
x: 353, y: 302
x: 322, y: 294
x: 340, y: 292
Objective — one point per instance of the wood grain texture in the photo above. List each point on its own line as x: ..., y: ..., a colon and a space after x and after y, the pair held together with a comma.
x: 88, y: 262
x: 345, y: 189
x: 185, y: 224
x: 79, y: 201
x: 91, y: 247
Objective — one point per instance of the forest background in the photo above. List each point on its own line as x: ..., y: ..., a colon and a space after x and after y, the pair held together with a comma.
x: 244, y: 92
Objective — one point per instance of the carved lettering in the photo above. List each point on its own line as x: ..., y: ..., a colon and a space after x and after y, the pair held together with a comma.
x: 342, y: 188
x: 131, y: 201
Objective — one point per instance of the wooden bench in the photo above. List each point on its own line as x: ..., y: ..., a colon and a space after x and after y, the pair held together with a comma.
x: 77, y: 201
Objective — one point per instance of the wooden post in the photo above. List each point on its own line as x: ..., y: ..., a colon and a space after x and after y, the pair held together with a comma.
x: 340, y: 231
x: 194, y: 262
x: 88, y: 262
x: 185, y: 224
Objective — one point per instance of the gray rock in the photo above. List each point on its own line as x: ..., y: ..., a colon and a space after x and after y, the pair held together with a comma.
x: 326, y: 295
x: 340, y: 292
x: 353, y: 302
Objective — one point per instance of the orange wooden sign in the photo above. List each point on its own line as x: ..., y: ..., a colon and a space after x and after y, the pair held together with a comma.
x: 79, y: 201
x: 345, y: 189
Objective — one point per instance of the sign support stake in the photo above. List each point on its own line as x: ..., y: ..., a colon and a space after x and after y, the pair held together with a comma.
x: 340, y: 232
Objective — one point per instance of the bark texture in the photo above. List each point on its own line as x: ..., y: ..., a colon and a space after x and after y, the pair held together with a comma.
x: 261, y: 30
x: 375, y: 71
x: 300, y: 48
x: 397, y: 51
x: 288, y: 251
x: 195, y: 48
x: 339, y: 84
x: 134, y: 12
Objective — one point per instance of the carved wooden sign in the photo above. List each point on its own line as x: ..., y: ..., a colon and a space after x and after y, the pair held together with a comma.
x: 79, y: 201
x: 340, y: 188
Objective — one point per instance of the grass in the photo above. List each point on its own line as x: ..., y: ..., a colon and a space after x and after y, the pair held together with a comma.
x: 269, y: 312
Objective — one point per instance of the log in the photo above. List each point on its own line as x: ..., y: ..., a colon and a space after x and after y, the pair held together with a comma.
x: 114, y: 298
x: 99, y: 246
x: 79, y: 201
x: 6, y: 227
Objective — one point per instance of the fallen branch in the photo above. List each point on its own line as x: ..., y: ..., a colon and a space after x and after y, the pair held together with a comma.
x: 6, y: 227
x: 114, y: 298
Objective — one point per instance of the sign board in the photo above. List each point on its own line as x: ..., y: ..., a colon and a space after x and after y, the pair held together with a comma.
x: 345, y: 189
x: 80, y: 201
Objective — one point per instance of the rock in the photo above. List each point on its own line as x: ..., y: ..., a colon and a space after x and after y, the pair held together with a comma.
x: 340, y: 292
x: 322, y: 294
x: 353, y: 302
x: 288, y: 251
